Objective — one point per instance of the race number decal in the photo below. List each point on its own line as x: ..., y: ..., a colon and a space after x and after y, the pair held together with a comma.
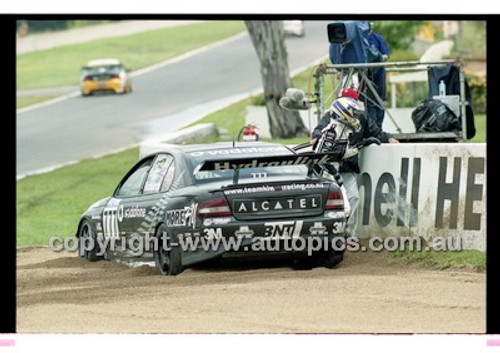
x: 110, y: 222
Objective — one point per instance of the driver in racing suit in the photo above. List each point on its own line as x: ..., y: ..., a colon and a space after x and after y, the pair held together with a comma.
x: 349, y: 167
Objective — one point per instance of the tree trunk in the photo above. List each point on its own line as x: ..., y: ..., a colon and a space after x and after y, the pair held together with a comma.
x: 268, y: 41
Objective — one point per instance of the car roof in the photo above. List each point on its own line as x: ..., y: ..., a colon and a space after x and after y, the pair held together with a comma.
x: 225, y: 145
x: 103, y: 62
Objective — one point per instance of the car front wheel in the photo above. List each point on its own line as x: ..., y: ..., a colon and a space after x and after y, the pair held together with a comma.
x: 88, y: 240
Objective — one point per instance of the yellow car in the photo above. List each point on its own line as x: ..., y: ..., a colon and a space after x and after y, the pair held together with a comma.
x: 105, y: 75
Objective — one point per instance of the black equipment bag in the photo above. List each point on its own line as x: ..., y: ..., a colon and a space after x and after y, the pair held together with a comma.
x: 450, y: 75
x: 432, y: 115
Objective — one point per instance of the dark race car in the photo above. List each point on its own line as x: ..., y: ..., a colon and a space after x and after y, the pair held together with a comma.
x: 188, y: 204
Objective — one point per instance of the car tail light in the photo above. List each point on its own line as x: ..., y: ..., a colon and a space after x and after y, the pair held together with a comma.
x: 335, y: 200
x: 115, y: 76
x: 214, y: 207
x: 87, y: 78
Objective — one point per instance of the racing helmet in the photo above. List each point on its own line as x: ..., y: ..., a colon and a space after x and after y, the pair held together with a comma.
x: 345, y: 110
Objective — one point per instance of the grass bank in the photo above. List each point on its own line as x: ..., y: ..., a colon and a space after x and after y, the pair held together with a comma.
x: 442, y: 260
x: 50, y: 204
x: 61, y: 66
x: 22, y: 102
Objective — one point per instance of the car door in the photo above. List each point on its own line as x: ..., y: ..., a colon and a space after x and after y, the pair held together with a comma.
x: 137, y: 204
x: 114, y: 223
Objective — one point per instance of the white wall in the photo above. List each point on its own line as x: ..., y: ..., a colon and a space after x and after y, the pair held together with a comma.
x: 435, y: 190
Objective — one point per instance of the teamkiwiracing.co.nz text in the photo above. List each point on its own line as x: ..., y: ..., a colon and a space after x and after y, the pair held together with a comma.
x: 137, y: 245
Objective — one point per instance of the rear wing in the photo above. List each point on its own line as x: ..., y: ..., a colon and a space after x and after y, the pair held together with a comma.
x: 309, y: 159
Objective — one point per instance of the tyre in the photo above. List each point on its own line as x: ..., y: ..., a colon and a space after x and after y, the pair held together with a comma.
x: 87, y: 232
x: 167, y: 258
x: 332, y: 258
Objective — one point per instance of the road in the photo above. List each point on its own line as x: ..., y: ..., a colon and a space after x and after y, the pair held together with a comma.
x: 164, y: 99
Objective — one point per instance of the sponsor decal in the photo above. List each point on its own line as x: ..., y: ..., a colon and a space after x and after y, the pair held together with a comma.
x: 233, y: 151
x: 283, y: 230
x: 295, y: 203
x: 260, y: 163
x: 134, y: 212
x: 269, y: 188
x: 244, y: 232
x: 212, y: 233
x: 318, y: 229
x: 96, y: 217
x: 303, y: 186
x: 334, y: 214
x: 338, y: 227
x: 183, y: 217
x: 399, y: 199
x: 216, y: 221
x: 248, y: 190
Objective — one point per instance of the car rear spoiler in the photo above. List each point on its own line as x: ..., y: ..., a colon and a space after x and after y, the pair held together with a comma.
x: 309, y: 159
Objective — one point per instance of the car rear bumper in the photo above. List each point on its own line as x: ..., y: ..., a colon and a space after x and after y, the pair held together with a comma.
x: 270, y: 237
x: 116, y: 85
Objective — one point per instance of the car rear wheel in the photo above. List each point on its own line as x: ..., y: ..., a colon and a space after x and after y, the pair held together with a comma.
x: 87, y: 237
x: 167, y: 255
x: 332, y: 257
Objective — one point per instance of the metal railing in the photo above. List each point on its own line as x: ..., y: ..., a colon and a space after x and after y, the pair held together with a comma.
x: 346, y: 73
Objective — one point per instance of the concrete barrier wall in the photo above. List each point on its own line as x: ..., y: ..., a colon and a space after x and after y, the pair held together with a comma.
x: 424, y: 189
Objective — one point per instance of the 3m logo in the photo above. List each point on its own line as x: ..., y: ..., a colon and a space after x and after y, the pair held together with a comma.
x: 110, y: 222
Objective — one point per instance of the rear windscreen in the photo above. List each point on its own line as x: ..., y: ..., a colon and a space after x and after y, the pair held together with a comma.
x: 108, y: 69
x: 198, y: 157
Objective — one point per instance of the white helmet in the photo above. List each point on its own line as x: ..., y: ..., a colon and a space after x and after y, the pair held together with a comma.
x: 345, y: 109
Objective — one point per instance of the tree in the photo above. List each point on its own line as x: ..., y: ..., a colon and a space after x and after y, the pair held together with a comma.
x: 268, y: 41
x: 398, y: 34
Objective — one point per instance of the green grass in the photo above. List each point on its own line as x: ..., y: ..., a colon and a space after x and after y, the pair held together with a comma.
x: 22, y: 102
x: 480, y: 123
x: 231, y: 119
x: 50, y: 204
x: 61, y: 66
x: 470, y: 259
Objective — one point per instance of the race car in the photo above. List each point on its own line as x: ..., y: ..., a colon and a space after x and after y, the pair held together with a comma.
x: 183, y: 205
x: 105, y: 75
x: 294, y: 28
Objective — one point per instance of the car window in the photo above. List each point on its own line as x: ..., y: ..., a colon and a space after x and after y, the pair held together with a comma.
x: 169, y: 178
x: 157, y: 175
x: 133, y: 185
x: 105, y: 69
x: 298, y: 171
